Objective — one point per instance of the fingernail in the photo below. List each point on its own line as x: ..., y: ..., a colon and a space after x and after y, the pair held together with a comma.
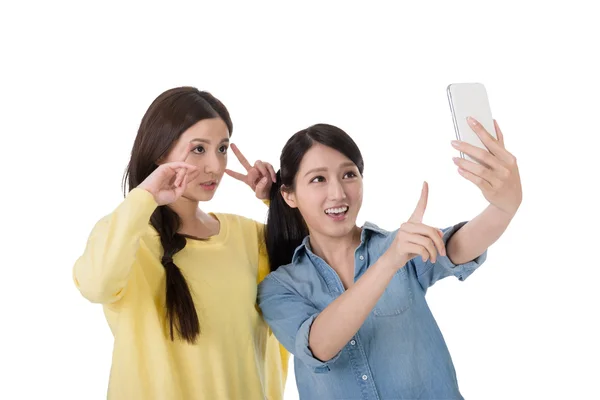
x: 455, y: 159
x: 472, y: 121
x: 455, y: 143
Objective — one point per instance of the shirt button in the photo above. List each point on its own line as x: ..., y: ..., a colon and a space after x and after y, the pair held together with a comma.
x: 361, y: 257
x: 353, y: 342
x: 364, y: 377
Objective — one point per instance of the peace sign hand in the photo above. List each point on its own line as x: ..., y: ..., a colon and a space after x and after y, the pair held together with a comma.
x: 168, y: 182
x: 415, y: 238
x: 259, y: 177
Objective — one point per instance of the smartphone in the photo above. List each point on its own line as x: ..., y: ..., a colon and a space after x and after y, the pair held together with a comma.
x: 470, y: 100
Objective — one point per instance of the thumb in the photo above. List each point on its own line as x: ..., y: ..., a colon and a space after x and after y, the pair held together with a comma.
x: 417, y: 215
x: 261, y: 184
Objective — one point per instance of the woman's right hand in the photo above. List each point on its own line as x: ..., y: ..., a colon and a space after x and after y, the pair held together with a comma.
x: 415, y: 238
x: 168, y: 182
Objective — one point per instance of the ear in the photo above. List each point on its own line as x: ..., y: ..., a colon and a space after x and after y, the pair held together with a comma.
x: 288, y: 197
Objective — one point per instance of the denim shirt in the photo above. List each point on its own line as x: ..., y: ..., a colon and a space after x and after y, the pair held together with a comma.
x: 398, y: 352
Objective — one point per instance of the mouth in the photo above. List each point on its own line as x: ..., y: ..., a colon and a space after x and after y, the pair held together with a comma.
x: 209, y: 185
x: 337, y: 213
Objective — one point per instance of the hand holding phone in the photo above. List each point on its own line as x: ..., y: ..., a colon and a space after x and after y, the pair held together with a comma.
x: 485, y: 160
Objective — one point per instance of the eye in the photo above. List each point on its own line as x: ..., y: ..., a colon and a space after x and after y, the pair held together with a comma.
x: 198, y: 150
x: 350, y: 174
x: 223, y: 149
x: 317, y: 179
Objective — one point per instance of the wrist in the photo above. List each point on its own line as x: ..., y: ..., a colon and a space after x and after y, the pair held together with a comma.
x: 502, y: 213
x: 147, y: 189
x: 390, y: 263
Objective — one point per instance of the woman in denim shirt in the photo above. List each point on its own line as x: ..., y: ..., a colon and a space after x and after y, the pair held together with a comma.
x: 349, y: 301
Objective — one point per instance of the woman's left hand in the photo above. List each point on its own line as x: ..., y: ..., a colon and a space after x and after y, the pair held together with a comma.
x: 259, y: 177
x: 497, y: 174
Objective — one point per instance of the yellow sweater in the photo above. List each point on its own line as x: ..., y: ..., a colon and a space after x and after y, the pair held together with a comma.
x: 236, y: 355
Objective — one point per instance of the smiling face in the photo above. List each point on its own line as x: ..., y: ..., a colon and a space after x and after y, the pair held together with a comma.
x: 328, y: 191
x: 211, y: 142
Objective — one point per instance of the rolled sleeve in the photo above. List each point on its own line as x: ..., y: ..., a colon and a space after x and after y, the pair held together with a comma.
x: 303, y: 351
x: 428, y: 273
x: 290, y: 317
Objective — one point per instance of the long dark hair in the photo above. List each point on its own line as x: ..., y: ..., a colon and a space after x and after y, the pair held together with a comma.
x: 169, y: 115
x: 286, y: 228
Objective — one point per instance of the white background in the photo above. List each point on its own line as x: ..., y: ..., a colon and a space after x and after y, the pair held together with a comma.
x: 76, y: 79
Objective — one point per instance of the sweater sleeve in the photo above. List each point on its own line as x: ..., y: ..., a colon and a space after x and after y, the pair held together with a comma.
x: 102, y: 271
x: 263, y: 258
x: 264, y: 270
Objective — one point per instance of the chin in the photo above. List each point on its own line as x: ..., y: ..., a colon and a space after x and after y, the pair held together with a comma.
x: 206, y: 197
x: 339, y: 229
x: 200, y: 195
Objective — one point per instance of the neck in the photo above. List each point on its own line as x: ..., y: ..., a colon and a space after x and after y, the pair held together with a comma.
x: 335, y: 250
x: 194, y: 221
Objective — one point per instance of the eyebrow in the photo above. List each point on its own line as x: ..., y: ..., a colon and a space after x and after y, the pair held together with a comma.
x: 226, y: 140
x: 323, y: 169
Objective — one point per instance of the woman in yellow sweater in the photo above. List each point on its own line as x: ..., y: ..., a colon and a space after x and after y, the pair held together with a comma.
x: 178, y: 285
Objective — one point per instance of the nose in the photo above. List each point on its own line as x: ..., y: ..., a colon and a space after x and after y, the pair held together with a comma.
x: 336, y: 190
x: 212, y: 164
